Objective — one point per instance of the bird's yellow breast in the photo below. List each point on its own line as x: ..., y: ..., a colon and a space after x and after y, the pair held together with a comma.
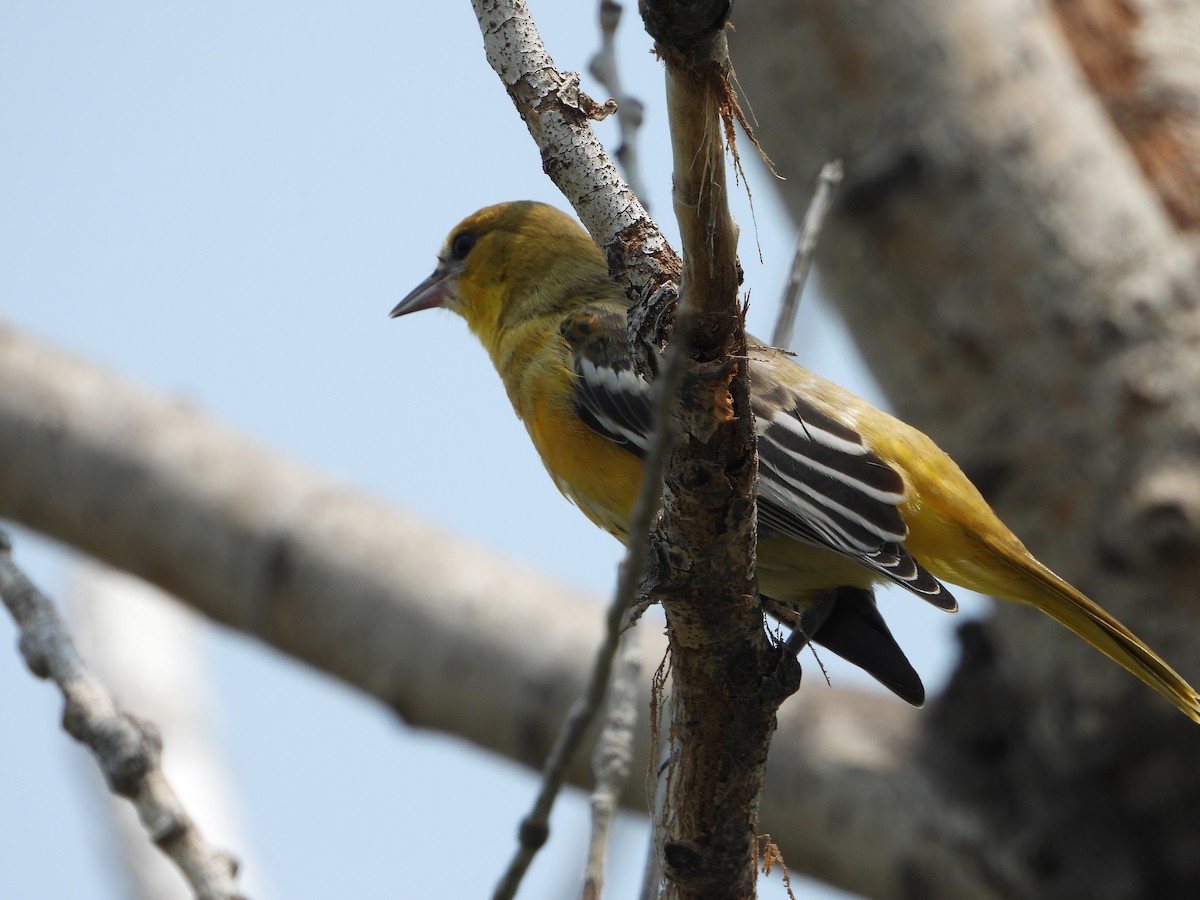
x: 599, y: 476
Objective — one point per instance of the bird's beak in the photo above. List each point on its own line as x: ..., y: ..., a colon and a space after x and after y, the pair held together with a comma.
x: 432, y: 292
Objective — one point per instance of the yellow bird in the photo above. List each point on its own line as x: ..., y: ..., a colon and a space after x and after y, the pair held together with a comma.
x: 848, y: 496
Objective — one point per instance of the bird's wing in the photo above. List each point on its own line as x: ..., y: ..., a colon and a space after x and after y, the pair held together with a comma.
x: 611, y: 396
x: 817, y: 481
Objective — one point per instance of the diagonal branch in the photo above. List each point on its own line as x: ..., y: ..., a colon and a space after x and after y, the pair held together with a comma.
x: 806, y: 248
x: 558, y: 115
x: 128, y: 750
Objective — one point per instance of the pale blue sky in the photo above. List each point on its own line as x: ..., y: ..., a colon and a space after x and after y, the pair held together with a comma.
x: 225, y: 201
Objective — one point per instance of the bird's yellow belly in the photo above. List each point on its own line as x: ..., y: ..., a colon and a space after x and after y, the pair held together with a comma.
x: 793, y: 572
x: 600, y: 477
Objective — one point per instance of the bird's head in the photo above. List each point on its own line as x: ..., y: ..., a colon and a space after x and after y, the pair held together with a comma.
x: 508, y: 264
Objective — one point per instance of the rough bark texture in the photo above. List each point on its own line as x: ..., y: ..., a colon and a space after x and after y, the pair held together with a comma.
x: 1015, y: 248
x: 728, y: 678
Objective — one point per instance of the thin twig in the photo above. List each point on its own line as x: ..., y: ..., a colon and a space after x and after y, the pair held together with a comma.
x: 535, y: 827
x: 630, y: 110
x: 611, y: 761
x: 148, y: 649
x: 772, y: 858
x: 129, y: 751
x: 806, y: 246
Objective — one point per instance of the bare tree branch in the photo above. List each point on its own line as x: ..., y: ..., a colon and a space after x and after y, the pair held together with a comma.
x: 146, y: 648
x: 612, y: 760
x: 557, y: 114
x: 128, y: 750
x: 806, y: 248
x: 276, y: 550
x: 605, y: 69
x: 727, y: 677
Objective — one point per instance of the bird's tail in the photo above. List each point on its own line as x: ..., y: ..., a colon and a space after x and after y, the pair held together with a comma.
x: 1070, y: 607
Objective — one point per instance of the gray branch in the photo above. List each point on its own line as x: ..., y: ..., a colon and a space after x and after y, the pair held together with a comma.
x: 128, y: 750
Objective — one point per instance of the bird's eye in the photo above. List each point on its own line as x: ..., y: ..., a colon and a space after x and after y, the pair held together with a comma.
x: 462, y: 244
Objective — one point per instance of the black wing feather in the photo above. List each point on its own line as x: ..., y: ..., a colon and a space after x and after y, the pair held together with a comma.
x: 611, y: 397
